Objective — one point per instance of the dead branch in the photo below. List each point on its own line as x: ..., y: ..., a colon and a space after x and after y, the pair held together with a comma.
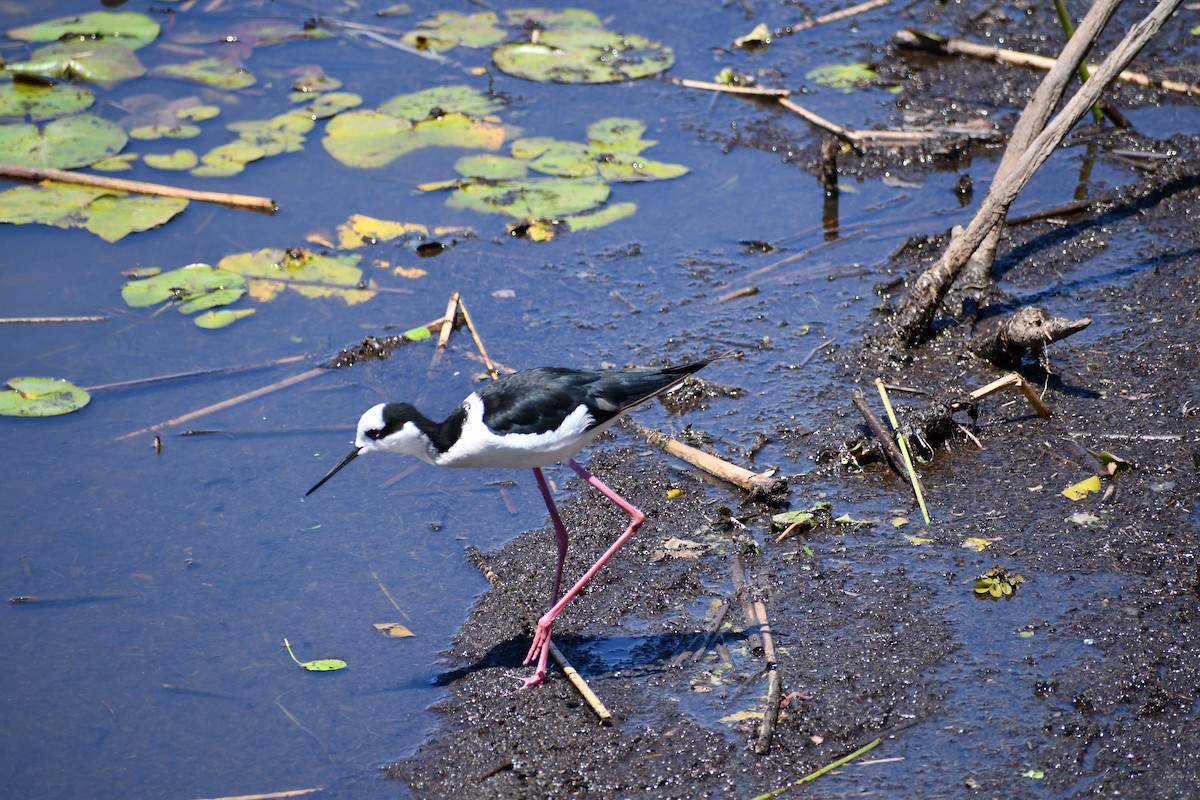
x: 833, y: 16
x: 1004, y: 341
x: 913, y: 321
x: 264, y: 204
x: 757, y: 484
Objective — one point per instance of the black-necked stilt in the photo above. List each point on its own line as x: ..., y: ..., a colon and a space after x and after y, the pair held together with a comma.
x: 528, y: 419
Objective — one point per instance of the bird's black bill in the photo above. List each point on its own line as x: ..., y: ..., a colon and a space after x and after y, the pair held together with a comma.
x: 353, y: 454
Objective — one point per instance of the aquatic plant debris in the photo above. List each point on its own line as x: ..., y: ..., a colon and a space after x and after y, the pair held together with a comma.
x: 108, y: 213
x: 41, y: 397
x: 195, y: 287
x: 319, y: 665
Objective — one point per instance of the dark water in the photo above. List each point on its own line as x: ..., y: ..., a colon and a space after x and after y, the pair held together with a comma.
x: 153, y: 665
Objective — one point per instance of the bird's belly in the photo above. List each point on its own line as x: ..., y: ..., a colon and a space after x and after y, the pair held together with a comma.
x: 520, y: 450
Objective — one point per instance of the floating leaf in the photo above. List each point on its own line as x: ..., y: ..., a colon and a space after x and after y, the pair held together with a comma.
x: 179, y: 160
x: 41, y: 102
x: 441, y: 100
x: 583, y: 56
x: 41, y: 397
x: 316, y: 82
x: 148, y: 133
x: 600, y: 217
x: 977, y: 543
x: 216, y: 72
x: 109, y: 214
x: 310, y: 274
x: 757, y: 39
x: 118, y: 163
x: 393, y: 630
x: 220, y: 319
x: 198, y: 113
x: 534, y: 197
x: 1082, y: 489
x: 917, y: 540
x: 196, y: 287
x: 374, y: 138
x: 362, y: 230
x: 132, y: 29
x: 62, y: 143
x: 842, y: 76
x: 326, y: 105
x: 320, y: 665
x: 491, y: 167
x: 98, y: 61
x: 618, y: 133
x: 228, y: 159
x: 443, y: 31
x: 417, y: 334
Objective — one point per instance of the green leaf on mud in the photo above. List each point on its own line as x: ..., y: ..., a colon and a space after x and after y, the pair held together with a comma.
x: 109, y: 214
x: 132, y: 29
x: 63, y: 143
x: 842, y: 76
x: 42, y: 102
x: 41, y: 397
x: 312, y: 275
x: 97, y: 61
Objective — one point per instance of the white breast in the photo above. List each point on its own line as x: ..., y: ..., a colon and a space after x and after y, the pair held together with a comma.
x: 478, y: 446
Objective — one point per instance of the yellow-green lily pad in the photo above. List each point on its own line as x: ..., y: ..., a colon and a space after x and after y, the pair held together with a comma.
x: 147, y: 133
x: 109, y: 214
x: 375, y: 138
x: 132, y: 29
x: 450, y: 28
x: 216, y: 72
x: 41, y: 101
x: 310, y: 274
x: 326, y: 105
x: 842, y: 76
x: 41, y: 397
x: 583, y: 56
x: 196, y: 287
x: 99, y: 61
x: 212, y: 320
x: 179, y: 160
x: 441, y: 100
x: 533, y: 197
x: 491, y: 167
x: 63, y: 143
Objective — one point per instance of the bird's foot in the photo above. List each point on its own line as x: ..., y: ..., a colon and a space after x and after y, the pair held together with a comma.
x: 534, y: 680
x: 539, y: 651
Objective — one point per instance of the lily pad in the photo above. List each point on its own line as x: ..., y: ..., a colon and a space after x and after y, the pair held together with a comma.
x: 179, y: 160
x: 218, y: 73
x: 147, y: 133
x: 62, y: 143
x: 375, y: 138
x: 41, y: 397
x: 98, y: 61
x: 272, y: 271
x: 132, y: 29
x: 583, y: 56
x: 533, y: 197
x: 41, y: 102
x: 109, y: 214
x: 326, y: 105
x: 196, y: 287
x: 842, y: 76
x: 212, y: 320
x: 440, y: 100
x: 362, y: 230
x: 450, y: 28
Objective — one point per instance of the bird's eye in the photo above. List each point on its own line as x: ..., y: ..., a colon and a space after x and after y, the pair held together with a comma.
x: 375, y: 434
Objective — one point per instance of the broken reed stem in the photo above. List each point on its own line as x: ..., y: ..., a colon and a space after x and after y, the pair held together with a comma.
x: 908, y: 465
x: 816, y: 119
x: 251, y: 202
x: 760, y: 613
x: 15, y: 320
x: 711, y: 464
x: 1013, y: 379
x: 704, y: 639
x: 834, y: 16
x: 580, y: 685
x: 881, y: 434
x: 753, y: 91
x: 447, y: 328
x: 741, y: 589
x: 491, y: 368
x: 201, y: 373
x: 766, y: 728
x: 272, y: 795
x: 229, y: 403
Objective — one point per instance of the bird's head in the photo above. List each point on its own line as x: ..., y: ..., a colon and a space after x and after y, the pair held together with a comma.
x: 387, y: 427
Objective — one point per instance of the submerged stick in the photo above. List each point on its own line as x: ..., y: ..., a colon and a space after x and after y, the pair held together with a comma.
x: 251, y: 202
x: 1013, y: 379
x: 833, y: 16
x: 15, y: 320
x: 766, y: 728
x: 201, y: 373
x: 581, y: 685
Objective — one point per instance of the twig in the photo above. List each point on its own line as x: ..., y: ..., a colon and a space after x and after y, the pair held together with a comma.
x: 881, y: 434
x: 1013, y: 379
x: 264, y: 204
x: 271, y: 795
x: 491, y: 368
x: 745, y: 291
x: 704, y: 639
x: 834, y: 16
x: 815, y: 350
x: 741, y: 588
x: 447, y: 328
x: 201, y: 373
x: 15, y: 320
x: 827, y: 768
x: 388, y: 595
x: 580, y: 685
x: 224, y: 404
x: 955, y: 46
x: 766, y: 728
x: 728, y: 88
x: 820, y: 122
x: 751, y: 482
x: 902, y: 440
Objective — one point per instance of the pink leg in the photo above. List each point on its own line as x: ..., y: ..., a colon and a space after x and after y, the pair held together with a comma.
x: 541, y: 640
x: 560, y: 535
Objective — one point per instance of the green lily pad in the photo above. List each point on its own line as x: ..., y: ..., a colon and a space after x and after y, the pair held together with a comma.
x: 314, y: 82
x: 547, y: 19
x: 41, y: 102
x: 842, y: 76
x: 533, y: 197
x: 310, y: 274
x: 491, y: 167
x: 228, y: 159
x: 198, y: 113
x: 147, y: 133
x: 375, y: 138
x: 63, y: 143
x: 619, y: 133
x: 443, y: 31
x: 41, y: 397
x: 196, y: 287
x: 122, y: 162
x: 99, y: 61
x: 441, y: 100
x: 225, y: 317
x: 255, y: 32
x: 600, y: 217
x: 583, y: 56
x: 216, y: 72
x: 179, y: 160
x: 281, y: 134
x: 132, y: 29
x: 327, y: 105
